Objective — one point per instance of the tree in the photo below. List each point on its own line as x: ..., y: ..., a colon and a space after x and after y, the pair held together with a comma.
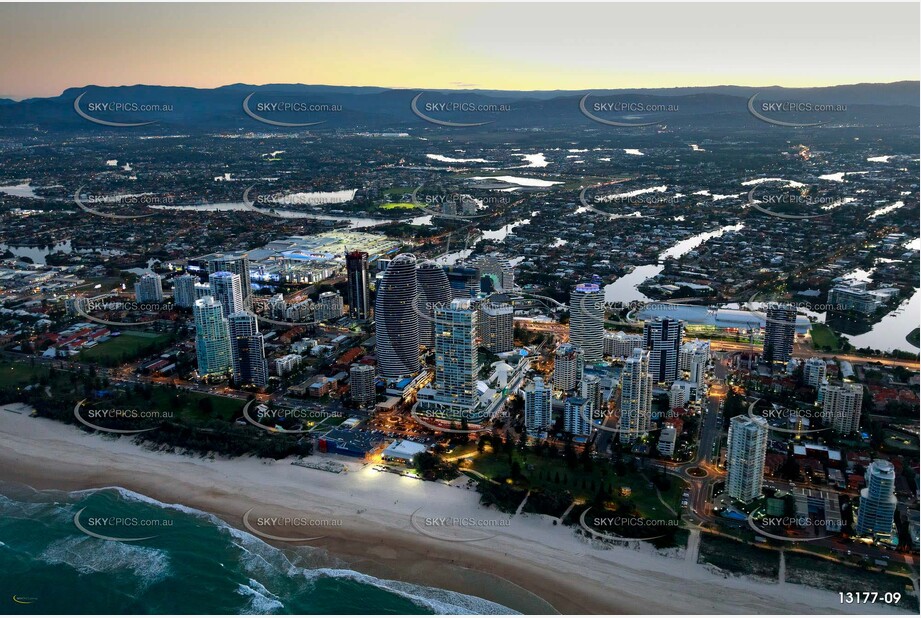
x: 205, y: 405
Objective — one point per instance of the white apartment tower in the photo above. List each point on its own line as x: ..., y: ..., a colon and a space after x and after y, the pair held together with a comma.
x: 361, y: 384
x: 635, y: 397
x: 841, y: 407
x: 746, y: 450
x: 586, y: 320
x: 568, y: 365
x: 621, y: 344
x: 537, y: 406
x: 877, y: 501
x: 694, y: 357
x: 212, y: 339
x: 226, y: 288
x: 577, y: 415
x: 149, y: 289
x: 184, y: 291
x: 814, y: 371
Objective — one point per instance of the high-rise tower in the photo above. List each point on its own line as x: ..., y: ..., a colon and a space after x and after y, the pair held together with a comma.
x: 359, y: 281
x: 586, y: 320
x: 663, y: 338
x: 396, y: 319
x: 434, y: 292
x: 212, y: 338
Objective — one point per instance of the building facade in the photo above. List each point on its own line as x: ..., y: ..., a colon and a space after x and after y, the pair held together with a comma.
x: 621, y: 344
x: 635, y: 397
x: 434, y: 291
x: 362, y: 384
x: 663, y: 338
x: 693, y: 359
x: 236, y: 263
x: 746, y: 451
x: 841, y: 406
x: 247, y: 350
x: 779, y: 333
x: 577, y: 414
x: 878, y: 503
x: 226, y: 288
x: 537, y: 406
x: 149, y: 289
x: 359, y: 282
x: 212, y: 339
x: 396, y: 320
x: 814, y: 371
x: 184, y: 291
x: 568, y: 366
x: 586, y: 320
x: 496, y: 321
x: 453, y: 392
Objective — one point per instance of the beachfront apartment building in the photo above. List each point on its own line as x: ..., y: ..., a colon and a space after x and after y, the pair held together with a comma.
x: 635, y: 397
x: 537, y: 405
x: 397, y: 319
x: 878, y: 503
x: 247, y: 347
x: 212, y: 339
x: 362, y: 384
x: 746, y: 451
x: 453, y: 391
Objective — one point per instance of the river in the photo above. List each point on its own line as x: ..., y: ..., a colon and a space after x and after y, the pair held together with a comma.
x: 624, y: 290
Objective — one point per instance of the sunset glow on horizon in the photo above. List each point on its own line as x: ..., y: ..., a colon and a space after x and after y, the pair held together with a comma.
x: 50, y: 47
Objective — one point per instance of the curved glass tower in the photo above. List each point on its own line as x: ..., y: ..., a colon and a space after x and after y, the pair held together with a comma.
x: 434, y: 292
x: 396, y: 321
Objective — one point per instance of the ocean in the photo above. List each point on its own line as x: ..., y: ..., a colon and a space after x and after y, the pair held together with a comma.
x: 170, y: 559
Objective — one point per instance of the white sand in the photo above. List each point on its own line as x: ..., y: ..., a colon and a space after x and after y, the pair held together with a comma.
x: 375, y: 509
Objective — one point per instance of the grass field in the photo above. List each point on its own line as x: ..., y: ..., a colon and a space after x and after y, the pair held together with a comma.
x: 398, y: 206
x: 20, y: 374
x: 189, y: 406
x: 824, y: 338
x: 553, y: 474
x: 223, y: 408
x: 129, y: 346
x: 398, y: 191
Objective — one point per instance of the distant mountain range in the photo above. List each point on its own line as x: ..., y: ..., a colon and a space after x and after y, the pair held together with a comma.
x: 385, y: 109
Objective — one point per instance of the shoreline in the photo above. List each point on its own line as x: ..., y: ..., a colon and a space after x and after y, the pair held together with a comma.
x: 532, y: 566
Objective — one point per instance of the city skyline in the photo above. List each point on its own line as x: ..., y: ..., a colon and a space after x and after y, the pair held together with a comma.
x: 539, y: 324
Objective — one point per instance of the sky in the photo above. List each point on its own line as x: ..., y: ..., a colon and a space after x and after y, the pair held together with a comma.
x: 46, y: 48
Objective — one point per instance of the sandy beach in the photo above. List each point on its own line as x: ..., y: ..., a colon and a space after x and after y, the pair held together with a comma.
x: 530, y: 565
